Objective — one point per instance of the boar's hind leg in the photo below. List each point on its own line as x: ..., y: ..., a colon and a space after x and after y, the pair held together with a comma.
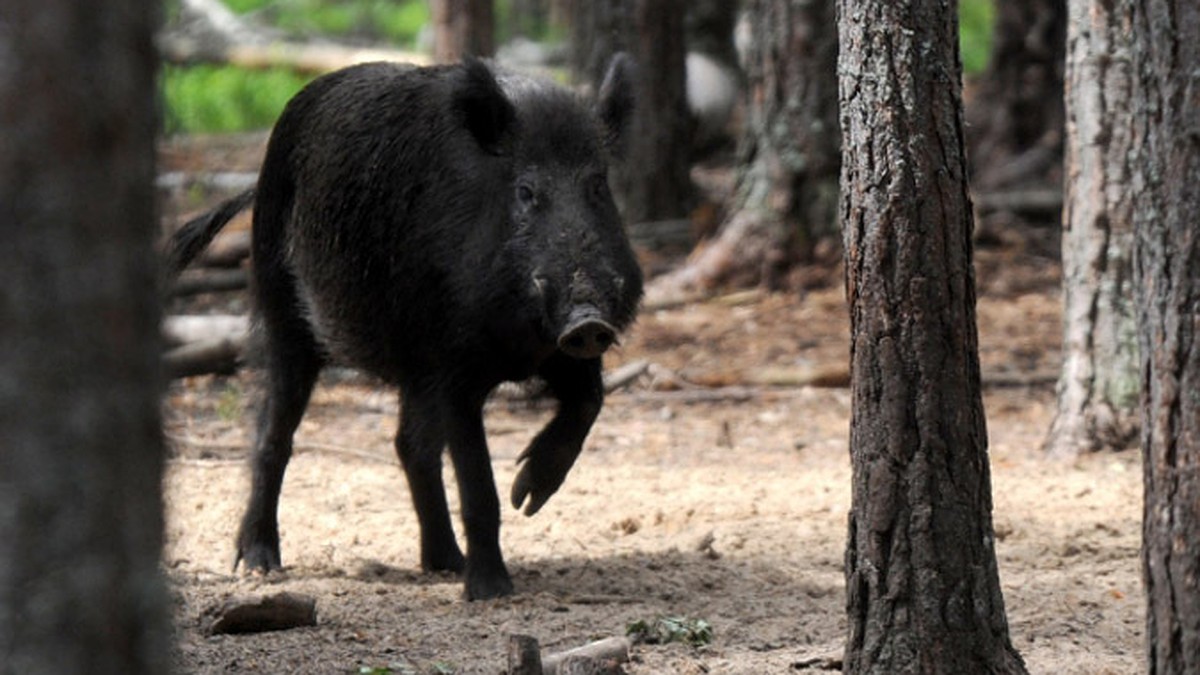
x: 580, y: 391
x: 292, y: 367
x: 486, y: 575
x: 419, y: 444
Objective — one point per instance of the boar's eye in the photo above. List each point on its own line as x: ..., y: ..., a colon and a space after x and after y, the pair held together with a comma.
x: 525, y: 194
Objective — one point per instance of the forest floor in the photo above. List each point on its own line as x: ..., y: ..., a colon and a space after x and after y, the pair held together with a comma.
x: 710, y: 488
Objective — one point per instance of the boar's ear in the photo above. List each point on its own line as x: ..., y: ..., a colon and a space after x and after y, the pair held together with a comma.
x: 616, y: 101
x: 486, y: 111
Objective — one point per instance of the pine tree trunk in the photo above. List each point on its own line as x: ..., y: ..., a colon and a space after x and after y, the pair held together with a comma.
x: 598, y: 30
x: 81, y: 453
x: 651, y: 182
x: 462, y: 28
x: 786, y: 195
x: 923, y: 589
x: 1166, y: 185
x: 1016, y: 117
x: 1098, y: 388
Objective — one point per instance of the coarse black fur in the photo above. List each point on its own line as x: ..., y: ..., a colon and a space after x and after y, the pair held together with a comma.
x: 446, y: 229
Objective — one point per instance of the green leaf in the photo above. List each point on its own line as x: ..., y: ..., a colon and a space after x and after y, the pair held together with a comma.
x: 666, y: 629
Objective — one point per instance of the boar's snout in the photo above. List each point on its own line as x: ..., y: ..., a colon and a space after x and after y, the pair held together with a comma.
x: 587, y: 335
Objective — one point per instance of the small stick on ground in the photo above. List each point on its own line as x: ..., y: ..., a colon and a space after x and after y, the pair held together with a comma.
x: 613, y: 649
x: 586, y: 665
x: 622, y: 376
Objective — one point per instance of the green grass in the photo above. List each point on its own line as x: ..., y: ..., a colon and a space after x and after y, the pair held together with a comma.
x: 205, y: 99
x: 377, y: 20
x: 975, y: 19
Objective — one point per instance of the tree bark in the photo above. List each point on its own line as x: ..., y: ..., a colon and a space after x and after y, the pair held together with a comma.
x: 598, y: 30
x: 923, y: 589
x: 1098, y: 389
x: 1016, y: 117
x: 651, y: 181
x: 462, y: 28
x: 1166, y: 210
x: 787, y: 187
x: 81, y: 465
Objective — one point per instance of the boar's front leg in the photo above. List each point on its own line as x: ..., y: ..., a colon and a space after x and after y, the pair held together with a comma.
x: 486, y: 575
x: 579, y: 388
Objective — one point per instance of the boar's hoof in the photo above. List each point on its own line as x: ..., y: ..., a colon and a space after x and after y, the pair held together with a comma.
x: 488, y: 584
x: 445, y: 560
x: 258, y: 558
x: 586, y: 336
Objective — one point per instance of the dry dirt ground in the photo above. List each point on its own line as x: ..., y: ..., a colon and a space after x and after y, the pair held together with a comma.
x: 714, y: 487
x: 731, y: 510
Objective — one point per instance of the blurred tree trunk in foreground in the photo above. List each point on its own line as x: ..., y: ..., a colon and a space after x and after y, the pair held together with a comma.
x: 1098, y: 388
x: 82, y: 451
x: 1166, y: 219
x: 922, y: 584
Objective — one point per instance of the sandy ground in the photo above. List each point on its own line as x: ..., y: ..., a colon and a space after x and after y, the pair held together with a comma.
x: 731, y: 510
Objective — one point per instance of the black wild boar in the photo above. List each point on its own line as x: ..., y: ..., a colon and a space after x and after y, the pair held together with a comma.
x: 446, y: 229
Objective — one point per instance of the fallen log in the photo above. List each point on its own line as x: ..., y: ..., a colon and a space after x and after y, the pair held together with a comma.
x: 205, y: 357
x: 603, y: 657
x: 280, y: 611
x: 614, y: 649
x: 308, y: 59
x: 586, y: 665
x: 178, y: 330
x: 228, y: 249
x: 622, y: 376
x: 194, y: 282
x: 1047, y: 201
x: 214, y: 181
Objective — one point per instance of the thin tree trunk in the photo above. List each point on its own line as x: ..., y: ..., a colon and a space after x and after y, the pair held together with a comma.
x: 1016, y: 117
x: 81, y: 452
x: 1166, y: 185
x: 652, y: 182
x: 598, y: 30
x: 1098, y: 389
x: 923, y: 589
x: 786, y: 196
x: 462, y: 28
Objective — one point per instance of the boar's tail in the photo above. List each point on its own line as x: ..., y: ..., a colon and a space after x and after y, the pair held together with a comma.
x: 189, y: 240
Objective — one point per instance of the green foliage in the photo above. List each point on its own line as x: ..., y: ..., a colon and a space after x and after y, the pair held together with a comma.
x: 394, y: 21
x: 535, y: 28
x: 225, y: 98
x: 209, y: 98
x: 664, y: 629
x: 229, y: 404
x: 975, y: 20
